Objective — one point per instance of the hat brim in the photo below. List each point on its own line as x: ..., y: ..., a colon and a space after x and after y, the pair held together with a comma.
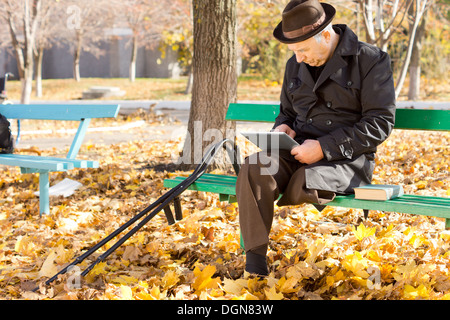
x: 330, y: 11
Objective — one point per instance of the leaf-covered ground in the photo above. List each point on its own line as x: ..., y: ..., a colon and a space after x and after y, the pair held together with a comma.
x: 327, y: 255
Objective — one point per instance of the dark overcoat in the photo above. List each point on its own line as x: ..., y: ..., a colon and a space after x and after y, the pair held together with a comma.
x: 350, y: 110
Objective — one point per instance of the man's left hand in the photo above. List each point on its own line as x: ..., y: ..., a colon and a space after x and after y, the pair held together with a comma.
x: 308, y: 152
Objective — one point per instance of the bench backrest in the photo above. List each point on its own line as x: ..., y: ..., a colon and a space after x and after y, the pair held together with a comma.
x: 411, y: 119
x: 69, y: 112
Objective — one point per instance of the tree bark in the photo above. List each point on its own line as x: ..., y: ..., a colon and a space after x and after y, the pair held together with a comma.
x: 76, y: 57
x: 215, y: 79
x: 420, y: 6
x: 39, y: 55
x: 134, y: 51
x: 414, y: 67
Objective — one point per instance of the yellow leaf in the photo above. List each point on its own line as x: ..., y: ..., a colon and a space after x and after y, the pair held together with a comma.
x: 156, y: 293
x: 234, y: 286
x: 126, y: 293
x: 373, y: 255
x: 273, y: 295
x: 246, y: 296
x: 24, y: 245
x: 413, y: 293
x: 48, y: 268
x: 98, y: 269
x: 362, y: 232
x: 124, y: 280
x: 421, y: 184
x: 314, y: 250
x: 287, y: 285
x: 170, y: 279
x: 203, y: 279
x: 357, y: 264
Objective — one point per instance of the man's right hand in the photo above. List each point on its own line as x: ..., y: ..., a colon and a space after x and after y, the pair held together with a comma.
x: 285, y: 128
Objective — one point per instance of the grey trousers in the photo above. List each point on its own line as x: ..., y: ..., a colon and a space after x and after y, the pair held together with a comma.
x: 261, y: 180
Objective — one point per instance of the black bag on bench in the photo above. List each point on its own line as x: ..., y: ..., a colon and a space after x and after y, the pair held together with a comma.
x: 6, y: 139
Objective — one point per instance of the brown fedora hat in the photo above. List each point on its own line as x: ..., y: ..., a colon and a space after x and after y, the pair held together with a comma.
x: 302, y: 19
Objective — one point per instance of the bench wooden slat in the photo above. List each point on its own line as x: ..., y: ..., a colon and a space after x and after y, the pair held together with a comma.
x: 77, y: 163
x: 67, y: 112
x: 426, y: 119
x: 405, y: 204
x: 410, y: 119
x: 252, y: 112
x: 207, y: 185
x: 37, y: 163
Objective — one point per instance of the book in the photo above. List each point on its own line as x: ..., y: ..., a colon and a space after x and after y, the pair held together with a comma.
x: 378, y: 192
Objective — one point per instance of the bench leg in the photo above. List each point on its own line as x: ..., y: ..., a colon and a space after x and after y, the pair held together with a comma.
x: 447, y: 224
x: 366, y: 214
x: 169, y: 215
x: 44, y: 197
x: 177, y: 207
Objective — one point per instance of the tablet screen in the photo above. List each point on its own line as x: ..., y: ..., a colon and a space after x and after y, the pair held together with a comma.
x: 271, y: 140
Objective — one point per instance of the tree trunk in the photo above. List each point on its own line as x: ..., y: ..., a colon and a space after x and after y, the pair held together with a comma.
x: 76, y: 58
x: 414, y: 67
x: 215, y: 80
x: 27, y: 85
x: 419, y: 10
x: 134, y: 51
x: 38, y: 71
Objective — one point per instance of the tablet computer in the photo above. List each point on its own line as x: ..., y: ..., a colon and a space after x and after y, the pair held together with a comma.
x: 271, y: 140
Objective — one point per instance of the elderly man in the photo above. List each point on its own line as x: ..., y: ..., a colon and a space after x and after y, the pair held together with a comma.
x: 337, y: 102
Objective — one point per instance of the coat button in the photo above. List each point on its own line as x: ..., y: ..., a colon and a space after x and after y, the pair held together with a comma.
x: 349, y: 83
x: 309, y: 121
x: 329, y: 104
x: 328, y: 122
x: 291, y: 85
x: 347, y: 153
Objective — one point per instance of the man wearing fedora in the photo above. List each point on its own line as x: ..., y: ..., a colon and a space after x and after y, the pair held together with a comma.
x: 338, y: 102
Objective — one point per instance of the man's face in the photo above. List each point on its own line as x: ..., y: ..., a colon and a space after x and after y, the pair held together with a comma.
x: 312, y: 52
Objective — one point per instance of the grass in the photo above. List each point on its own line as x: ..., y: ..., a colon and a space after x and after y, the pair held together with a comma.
x: 249, y: 88
x: 142, y: 89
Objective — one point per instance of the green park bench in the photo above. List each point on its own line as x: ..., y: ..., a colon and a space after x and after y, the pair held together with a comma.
x: 409, y: 119
x: 45, y: 165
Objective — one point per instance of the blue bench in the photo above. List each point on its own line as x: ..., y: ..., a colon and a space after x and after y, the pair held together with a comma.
x: 45, y: 165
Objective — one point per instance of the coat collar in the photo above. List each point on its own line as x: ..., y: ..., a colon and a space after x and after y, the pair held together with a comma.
x: 348, y: 46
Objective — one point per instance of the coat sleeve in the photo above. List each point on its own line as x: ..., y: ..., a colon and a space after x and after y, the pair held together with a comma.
x: 377, y: 110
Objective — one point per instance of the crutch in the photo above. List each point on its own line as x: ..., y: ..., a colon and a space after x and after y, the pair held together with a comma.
x: 157, y: 206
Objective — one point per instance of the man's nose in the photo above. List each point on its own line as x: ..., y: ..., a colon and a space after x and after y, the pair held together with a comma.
x: 300, y: 57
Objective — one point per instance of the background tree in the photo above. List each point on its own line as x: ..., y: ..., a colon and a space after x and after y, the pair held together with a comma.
x: 414, y: 66
x: 85, y: 25
x: 46, y: 36
x: 418, y: 9
x: 215, y: 78
x: 22, y: 19
x: 177, y: 35
x: 260, y: 51
x: 381, y: 19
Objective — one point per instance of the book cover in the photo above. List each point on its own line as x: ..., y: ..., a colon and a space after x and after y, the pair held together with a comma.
x: 378, y: 192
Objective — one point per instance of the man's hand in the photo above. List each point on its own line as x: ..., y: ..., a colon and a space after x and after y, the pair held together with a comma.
x: 285, y: 128
x: 308, y: 152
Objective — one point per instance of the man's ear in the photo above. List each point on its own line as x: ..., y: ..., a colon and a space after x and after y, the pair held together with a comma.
x: 326, y: 35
